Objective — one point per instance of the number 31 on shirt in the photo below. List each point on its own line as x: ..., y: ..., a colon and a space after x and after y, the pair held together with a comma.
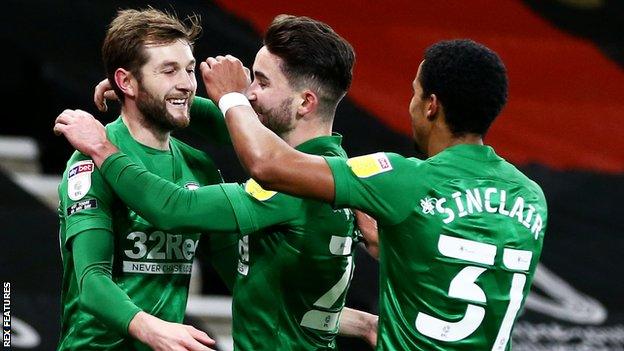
x: 463, y: 286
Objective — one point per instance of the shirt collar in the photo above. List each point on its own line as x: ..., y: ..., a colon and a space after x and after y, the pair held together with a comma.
x: 471, y: 151
x: 321, y: 144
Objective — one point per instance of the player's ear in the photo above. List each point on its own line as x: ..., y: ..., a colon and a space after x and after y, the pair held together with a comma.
x: 309, y: 102
x: 432, y: 106
x: 126, y: 82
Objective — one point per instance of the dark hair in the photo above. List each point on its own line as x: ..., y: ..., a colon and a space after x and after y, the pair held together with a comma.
x: 314, y: 56
x: 131, y: 30
x: 470, y: 82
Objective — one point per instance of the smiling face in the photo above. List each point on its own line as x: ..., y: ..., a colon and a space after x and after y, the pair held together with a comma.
x: 167, y: 85
x: 271, y: 95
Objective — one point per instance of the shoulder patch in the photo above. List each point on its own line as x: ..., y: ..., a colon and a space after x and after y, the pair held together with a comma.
x: 254, y: 189
x: 370, y: 165
x: 79, y: 179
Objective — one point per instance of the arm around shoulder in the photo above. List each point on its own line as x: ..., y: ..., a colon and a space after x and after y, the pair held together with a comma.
x: 166, y: 205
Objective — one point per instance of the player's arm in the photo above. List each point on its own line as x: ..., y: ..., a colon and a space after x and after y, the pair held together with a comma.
x: 206, y: 118
x: 214, y: 208
x: 369, y: 183
x: 100, y: 296
x: 85, y: 202
x: 269, y: 160
x: 273, y: 163
x: 164, y: 204
x: 360, y: 324
x: 224, y: 207
x: 277, y: 166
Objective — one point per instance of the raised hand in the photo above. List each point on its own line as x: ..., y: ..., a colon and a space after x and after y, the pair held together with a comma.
x: 222, y: 75
x: 85, y: 133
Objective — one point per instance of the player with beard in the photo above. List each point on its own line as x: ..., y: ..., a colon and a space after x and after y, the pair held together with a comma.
x: 296, y: 255
x: 125, y: 283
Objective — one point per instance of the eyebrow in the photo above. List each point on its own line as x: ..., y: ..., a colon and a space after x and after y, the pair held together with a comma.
x: 260, y: 75
x: 175, y: 64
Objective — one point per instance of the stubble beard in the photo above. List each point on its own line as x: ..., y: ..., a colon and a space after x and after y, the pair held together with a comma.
x: 156, y: 115
x: 278, y: 119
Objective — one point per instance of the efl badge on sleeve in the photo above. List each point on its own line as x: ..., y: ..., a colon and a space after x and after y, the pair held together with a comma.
x: 370, y: 165
x: 79, y: 179
x: 254, y: 189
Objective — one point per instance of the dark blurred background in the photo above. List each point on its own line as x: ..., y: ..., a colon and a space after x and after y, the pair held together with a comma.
x: 562, y: 126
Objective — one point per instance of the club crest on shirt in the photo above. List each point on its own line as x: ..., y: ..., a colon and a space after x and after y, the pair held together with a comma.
x: 370, y: 165
x: 79, y: 179
x: 254, y: 189
x: 191, y: 185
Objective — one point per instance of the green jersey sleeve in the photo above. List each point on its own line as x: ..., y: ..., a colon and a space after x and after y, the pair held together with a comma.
x: 208, y: 122
x: 256, y: 208
x: 84, y: 197
x: 373, y: 184
x: 166, y: 205
x: 99, y: 295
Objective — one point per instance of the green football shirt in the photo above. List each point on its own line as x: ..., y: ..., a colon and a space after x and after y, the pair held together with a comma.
x: 460, y: 236
x: 295, y: 255
x: 151, y: 266
x: 293, y: 276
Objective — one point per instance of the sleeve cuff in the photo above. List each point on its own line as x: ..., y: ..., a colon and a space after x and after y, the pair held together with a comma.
x: 339, y: 169
x: 132, y: 311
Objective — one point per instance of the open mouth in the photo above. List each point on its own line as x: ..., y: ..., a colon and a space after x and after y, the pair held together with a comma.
x: 177, y: 102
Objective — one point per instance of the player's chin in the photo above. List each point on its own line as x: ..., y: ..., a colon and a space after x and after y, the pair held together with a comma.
x: 180, y: 120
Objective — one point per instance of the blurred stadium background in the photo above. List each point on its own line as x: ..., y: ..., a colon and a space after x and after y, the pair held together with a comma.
x: 562, y: 126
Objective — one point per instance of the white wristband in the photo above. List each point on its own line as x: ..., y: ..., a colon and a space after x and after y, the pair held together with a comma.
x: 230, y: 100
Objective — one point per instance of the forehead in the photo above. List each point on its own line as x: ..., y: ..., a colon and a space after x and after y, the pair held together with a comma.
x: 178, y: 51
x: 268, y: 64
